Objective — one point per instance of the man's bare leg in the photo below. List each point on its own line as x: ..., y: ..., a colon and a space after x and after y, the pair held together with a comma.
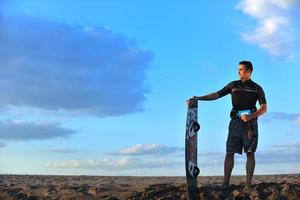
x: 228, y: 166
x: 250, y: 166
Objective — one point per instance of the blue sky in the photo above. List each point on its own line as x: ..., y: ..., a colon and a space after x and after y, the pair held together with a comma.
x: 99, y: 88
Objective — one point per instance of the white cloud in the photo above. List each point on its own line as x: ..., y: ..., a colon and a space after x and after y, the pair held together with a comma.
x: 124, y: 163
x: 275, y: 31
x: 148, y: 149
x: 23, y: 130
x: 54, y: 66
x: 139, y: 156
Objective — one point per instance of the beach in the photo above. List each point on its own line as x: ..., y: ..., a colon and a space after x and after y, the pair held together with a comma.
x: 33, y: 187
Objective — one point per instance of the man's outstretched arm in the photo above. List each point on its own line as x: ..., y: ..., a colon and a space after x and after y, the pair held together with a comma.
x: 208, y: 97
x: 213, y: 96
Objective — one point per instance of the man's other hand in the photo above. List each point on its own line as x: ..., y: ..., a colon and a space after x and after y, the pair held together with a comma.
x: 245, y: 118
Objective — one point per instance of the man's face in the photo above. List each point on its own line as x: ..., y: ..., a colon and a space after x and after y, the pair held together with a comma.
x: 243, y: 73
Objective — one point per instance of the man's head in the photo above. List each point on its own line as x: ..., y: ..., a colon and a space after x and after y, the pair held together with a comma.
x: 245, y: 70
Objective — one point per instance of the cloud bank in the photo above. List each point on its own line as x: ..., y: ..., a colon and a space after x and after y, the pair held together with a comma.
x: 81, y: 70
x: 139, y: 158
x: 23, y: 131
x: 123, y: 163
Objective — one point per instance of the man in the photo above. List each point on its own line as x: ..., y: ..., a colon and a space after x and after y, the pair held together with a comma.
x: 243, y: 128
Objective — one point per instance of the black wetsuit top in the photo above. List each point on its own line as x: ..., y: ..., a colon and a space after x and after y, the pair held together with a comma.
x: 244, y: 94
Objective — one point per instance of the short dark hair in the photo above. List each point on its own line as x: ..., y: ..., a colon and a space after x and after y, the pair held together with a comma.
x: 247, y: 64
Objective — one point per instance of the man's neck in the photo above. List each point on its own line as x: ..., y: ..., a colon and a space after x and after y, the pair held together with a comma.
x: 245, y: 79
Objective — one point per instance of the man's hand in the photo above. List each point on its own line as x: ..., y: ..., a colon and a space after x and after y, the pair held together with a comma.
x: 194, y: 98
x: 246, y: 118
x: 190, y: 100
x: 262, y: 109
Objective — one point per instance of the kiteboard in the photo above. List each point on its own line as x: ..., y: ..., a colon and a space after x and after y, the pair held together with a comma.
x: 191, y: 168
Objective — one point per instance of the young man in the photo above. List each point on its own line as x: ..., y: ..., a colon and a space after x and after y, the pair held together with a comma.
x: 243, y: 128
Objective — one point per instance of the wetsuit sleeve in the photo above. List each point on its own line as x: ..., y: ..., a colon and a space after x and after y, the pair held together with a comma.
x: 225, y: 90
x: 261, y: 96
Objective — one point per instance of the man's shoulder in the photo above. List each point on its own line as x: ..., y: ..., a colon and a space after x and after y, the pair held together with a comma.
x: 256, y: 85
x: 234, y: 82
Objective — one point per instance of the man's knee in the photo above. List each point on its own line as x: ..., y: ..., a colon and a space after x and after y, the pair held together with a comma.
x: 230, y: 155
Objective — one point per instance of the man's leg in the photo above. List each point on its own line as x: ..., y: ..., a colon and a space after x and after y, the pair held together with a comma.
x: 228, y: 166
x: 250, y: 166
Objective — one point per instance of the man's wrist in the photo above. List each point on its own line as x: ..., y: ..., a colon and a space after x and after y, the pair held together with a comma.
x: 252, y: 116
